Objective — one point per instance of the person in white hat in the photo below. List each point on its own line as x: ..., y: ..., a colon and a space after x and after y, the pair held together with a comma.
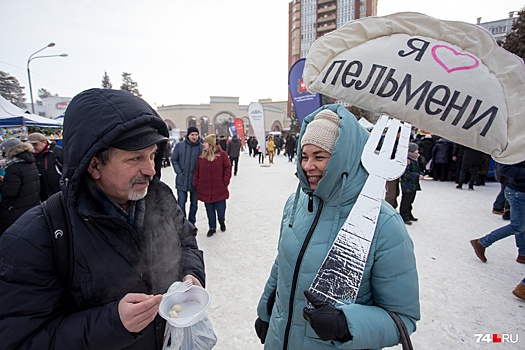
x: 331, y: 177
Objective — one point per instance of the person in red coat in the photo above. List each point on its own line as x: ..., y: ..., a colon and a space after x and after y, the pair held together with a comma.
x: 211, y: 179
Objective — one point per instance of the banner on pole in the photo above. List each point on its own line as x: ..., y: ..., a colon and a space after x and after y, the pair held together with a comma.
x: 256, y: 115
x: 239, y: 126
x: 304, y: 102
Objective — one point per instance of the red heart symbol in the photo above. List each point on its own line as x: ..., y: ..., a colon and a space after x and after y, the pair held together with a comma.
x: 450, y: 55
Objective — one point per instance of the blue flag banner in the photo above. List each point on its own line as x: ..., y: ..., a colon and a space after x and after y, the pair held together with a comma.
x: 303, y: 101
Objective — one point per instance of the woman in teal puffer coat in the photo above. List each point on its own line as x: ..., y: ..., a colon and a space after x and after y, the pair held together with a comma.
x: 311, y: 221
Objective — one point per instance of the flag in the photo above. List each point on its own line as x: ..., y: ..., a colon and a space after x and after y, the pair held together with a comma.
x: 303, y: 101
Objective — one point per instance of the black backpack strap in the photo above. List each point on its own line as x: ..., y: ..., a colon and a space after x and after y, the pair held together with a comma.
x: 55, y: 211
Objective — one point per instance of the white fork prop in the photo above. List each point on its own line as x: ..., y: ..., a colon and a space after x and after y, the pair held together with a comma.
x: 340, y: 275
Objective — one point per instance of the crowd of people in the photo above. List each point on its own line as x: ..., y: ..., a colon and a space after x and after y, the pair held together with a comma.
x: 130, y: 237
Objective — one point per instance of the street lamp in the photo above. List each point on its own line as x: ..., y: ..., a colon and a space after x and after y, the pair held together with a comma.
x: 32, y: 57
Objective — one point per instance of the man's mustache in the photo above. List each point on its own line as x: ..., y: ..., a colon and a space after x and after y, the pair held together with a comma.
x: 141, y: 180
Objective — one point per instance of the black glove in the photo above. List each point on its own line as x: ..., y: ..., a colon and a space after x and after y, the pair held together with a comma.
x: 261, y: 328
x: 328, y: 322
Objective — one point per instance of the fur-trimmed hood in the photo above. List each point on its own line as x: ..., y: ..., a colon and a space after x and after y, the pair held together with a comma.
x: 21, y: 147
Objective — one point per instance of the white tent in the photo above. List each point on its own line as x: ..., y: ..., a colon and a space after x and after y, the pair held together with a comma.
x: 13, y: 116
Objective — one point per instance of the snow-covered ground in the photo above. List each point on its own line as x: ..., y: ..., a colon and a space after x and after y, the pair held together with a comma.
x: 460, y: 296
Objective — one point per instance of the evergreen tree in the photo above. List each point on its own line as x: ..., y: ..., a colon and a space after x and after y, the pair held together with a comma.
x: 43, y: 93
x: 11, y: 90
x: 106, y: 83
x: 515, y: 40
x: 129, y: 84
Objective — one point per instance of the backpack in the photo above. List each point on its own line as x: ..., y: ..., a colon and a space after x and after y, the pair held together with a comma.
x: 55, y: 211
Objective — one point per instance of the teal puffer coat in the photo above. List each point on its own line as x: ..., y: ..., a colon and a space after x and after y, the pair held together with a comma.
x: 390, y: 278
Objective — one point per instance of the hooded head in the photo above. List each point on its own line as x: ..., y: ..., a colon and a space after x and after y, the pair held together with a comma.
x: 322, y: 131
x: 345, y: 160
x: 101, y: 118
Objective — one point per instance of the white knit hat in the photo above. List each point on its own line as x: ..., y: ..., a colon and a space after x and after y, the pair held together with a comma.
x: 322, y: 131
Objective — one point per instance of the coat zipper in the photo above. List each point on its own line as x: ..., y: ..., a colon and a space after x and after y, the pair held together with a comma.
x: 298, y: 267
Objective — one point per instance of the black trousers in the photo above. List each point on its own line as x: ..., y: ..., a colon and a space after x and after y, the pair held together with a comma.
x: 235, y: 164
x: 405, y: 208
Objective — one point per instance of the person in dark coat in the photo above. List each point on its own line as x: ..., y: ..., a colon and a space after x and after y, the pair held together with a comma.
x: 20, y: 184
x: 254, y: 143
x: 425, y: 151
x: 470, y: 165
x: 441, y: 158
x: 410, y: 184
x: 48, y: 158
x: 211, y: 179
x: 223, y: 142
x: 233, y: 149
x: 184, y: 159
x: 290, y: 147
x: 130, y: 239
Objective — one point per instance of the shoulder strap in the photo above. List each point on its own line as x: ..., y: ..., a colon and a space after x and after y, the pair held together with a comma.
x: 55, y: 211
x: 403, y: 332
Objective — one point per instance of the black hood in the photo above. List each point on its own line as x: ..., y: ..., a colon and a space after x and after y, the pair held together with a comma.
x: 96, y: 117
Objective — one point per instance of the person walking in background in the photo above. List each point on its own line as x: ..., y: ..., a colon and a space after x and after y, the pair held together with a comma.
x: 278, y: 144
x: 410, y: 184
x: 254, y: 143
x: 129, y: 240
x: 184, y: 160
x: 331, y: 177
x: 20, y: 183
x: 211, y: 179
x: 48, y: 159
x: 515, y: 195
x: 457, y: 157
x: 470, y: 166
x: 223, y: 142
x: 233, y: 149
x: 441, y: 157
x: 271, y: 149
x: 290, y: 147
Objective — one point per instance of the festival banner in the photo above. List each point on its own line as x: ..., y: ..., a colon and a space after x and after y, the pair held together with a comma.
x: 256, y: 115
x: 239, y: 126
x: 304, y: 102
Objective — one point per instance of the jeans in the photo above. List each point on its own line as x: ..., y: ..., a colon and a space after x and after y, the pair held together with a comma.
x: 516, y: 227
x: 182, y: 197
x: 218, y: 208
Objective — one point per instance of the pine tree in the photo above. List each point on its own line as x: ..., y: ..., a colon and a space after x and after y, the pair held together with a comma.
x: 43, y: 93
x: 129, y: 84
x: 515, y: 40
x: 106, y: 83
x: 11, y: 90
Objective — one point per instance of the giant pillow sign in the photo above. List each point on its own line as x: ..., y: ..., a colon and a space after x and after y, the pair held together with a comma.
x: 449, y: 78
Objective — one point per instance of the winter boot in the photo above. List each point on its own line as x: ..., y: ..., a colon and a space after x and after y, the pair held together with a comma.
x: 223, y: 226
x: 479, y: 250
x: 211, y: 232
x: 521, y: 259
x: 519, y: 291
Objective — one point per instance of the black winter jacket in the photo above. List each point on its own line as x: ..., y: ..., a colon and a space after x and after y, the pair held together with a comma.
x: 49, y: 164
x: 111, y: 259
x: 20, y: 186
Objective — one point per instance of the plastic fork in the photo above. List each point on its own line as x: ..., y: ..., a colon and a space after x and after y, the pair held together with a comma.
x: 340, y: 275
x: 180, y: 287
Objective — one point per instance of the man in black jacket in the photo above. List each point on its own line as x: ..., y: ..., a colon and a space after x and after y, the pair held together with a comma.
x: 130, y: 239
x: 48, y: 158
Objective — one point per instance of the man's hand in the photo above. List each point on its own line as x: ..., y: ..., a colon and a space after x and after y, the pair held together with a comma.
x: 136, y: 310
x: 195, y: 280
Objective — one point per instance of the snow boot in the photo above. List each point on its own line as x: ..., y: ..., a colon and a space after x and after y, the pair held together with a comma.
x: 519, y: 291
